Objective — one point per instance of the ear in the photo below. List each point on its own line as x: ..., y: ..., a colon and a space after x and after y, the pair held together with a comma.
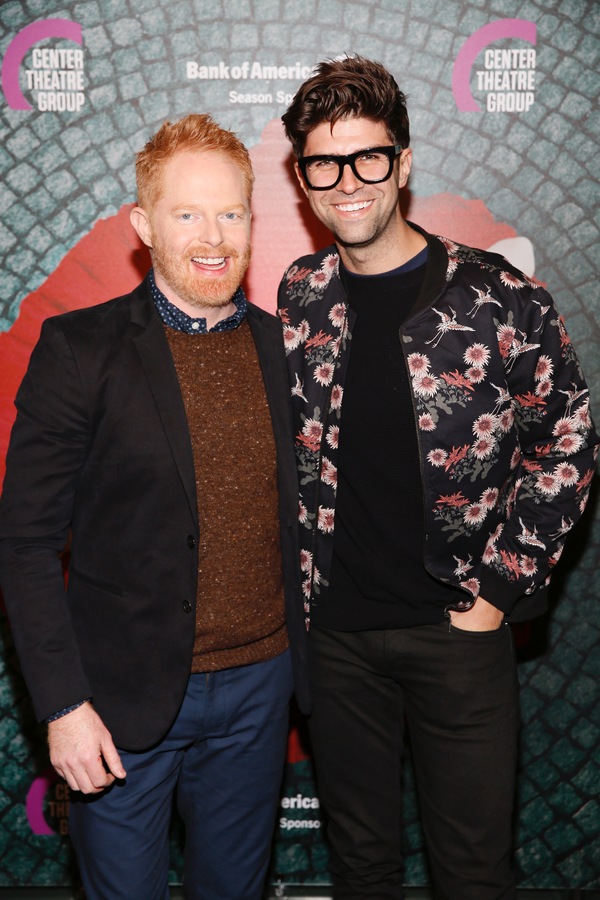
x: 140, y: 220
x: 300, y: 178
x: 404, y: 167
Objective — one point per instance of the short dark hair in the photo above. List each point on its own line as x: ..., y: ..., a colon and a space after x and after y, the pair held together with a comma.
x: 353, y: 86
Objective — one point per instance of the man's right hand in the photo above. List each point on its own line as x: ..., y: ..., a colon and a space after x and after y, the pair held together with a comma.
x: 82, y: 751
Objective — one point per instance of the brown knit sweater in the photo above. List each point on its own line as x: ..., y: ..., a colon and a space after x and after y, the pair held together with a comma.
x: 240, y: 607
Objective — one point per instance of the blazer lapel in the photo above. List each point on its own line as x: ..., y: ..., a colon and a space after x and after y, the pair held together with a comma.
x: 157, y: 362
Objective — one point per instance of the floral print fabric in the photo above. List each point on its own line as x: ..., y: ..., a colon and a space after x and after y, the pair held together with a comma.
x: 506, y: 440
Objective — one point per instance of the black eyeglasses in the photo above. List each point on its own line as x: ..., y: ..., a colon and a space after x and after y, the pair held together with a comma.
x: 322, y: 172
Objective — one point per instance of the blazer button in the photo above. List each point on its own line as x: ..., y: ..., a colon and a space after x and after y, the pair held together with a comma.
x: 191, y: 541
x: 187, y: 606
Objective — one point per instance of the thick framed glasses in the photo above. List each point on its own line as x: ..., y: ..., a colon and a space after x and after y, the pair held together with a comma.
x: 322, y: 172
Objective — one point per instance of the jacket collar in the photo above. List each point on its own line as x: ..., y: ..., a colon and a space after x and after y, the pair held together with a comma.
x: 436, y: 268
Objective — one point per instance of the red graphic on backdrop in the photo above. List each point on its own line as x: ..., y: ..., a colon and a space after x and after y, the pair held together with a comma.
x: 283, y: 229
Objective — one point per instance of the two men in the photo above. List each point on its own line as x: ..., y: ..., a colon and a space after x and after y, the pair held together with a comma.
x: 444, y: 448
x: 156, y: 429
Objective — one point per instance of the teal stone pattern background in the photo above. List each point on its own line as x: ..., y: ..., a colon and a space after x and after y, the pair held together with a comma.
x: 534, y: 170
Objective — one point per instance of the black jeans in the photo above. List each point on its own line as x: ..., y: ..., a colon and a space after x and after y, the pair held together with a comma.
x: 457, y: 693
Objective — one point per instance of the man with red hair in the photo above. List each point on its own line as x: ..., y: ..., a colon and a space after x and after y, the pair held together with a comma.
x: 156, y: 430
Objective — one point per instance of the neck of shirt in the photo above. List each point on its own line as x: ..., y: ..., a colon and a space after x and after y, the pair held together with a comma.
x: 176, y: 318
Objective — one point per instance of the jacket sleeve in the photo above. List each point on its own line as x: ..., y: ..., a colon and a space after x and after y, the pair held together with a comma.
x: 554, y: 467
x: 47, y: 449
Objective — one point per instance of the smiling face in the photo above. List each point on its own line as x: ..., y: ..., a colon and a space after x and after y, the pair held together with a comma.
x: 365, y: 218
x: 198, y: 232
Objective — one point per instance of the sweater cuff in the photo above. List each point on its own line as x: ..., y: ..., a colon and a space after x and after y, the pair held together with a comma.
x: 63, y: 712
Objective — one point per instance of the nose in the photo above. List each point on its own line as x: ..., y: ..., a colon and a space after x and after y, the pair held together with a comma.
x: 210, y: 231
x: 348, y: 183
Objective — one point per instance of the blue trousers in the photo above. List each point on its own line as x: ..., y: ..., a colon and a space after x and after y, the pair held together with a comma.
x: 456, y: 691
x: 222, y: 761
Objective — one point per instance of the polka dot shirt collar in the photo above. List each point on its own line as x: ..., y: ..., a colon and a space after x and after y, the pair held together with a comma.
x: 179, y: 320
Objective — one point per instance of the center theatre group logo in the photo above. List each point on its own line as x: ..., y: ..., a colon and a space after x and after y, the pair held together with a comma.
x: 47, y: 804
x: 508, y: 76
x: 56, y: 76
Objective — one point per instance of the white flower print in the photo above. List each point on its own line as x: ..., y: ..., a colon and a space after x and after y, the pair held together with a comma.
x: 418, y: 364
x: 490, y: 554
x: 489, y: 498
x: 475, y: 374
x: 337, y: 315
x: 484, y: 425
x: 510, y: 280
x: 567, y: 474
x: 527, y: 565
x: 325, y: 519
x: 544, y: 368
x: 475, y: 513
x: 291, y: 337
x: 506, y: 335
x: 483, y: 448
x: 332, y: 436
x: 450, y: 245
x: 581, y: 417
x: 548, y: 483
x: 452, y: 267
x: 314, y: 578
x: 305, y: 560
x: 324, y: 373
x: 544, y: 387
x: 425, y: 385
x: 303, y: 330
x: 506, y: 420
x: 312, y: 431
x: 477, y: 355
x: 318, y: 279
x: 337, y: 392
x: 426, y: 422
x: 472, y: 586
x: 437, y: 457
x: 564, y: 426
x: 328, y: 472
x: 569, y: 444
x: 302, y: 512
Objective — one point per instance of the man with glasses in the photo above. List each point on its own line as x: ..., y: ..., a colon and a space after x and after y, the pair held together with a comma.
x: 444, y: 448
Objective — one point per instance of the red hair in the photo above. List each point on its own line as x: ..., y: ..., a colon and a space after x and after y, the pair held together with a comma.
x: 195, y: 132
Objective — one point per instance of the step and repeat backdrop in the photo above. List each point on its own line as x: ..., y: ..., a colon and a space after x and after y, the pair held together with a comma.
x: 503, y: 96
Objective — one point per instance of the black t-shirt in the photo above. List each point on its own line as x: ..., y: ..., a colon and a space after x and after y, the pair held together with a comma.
x: 378, y: 579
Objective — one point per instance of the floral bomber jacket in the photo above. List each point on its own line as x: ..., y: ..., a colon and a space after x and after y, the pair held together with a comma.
x: 507, y: 446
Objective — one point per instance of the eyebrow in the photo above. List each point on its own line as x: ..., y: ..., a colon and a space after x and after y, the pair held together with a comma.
x: 195, y: 207
x: 345, y: 155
